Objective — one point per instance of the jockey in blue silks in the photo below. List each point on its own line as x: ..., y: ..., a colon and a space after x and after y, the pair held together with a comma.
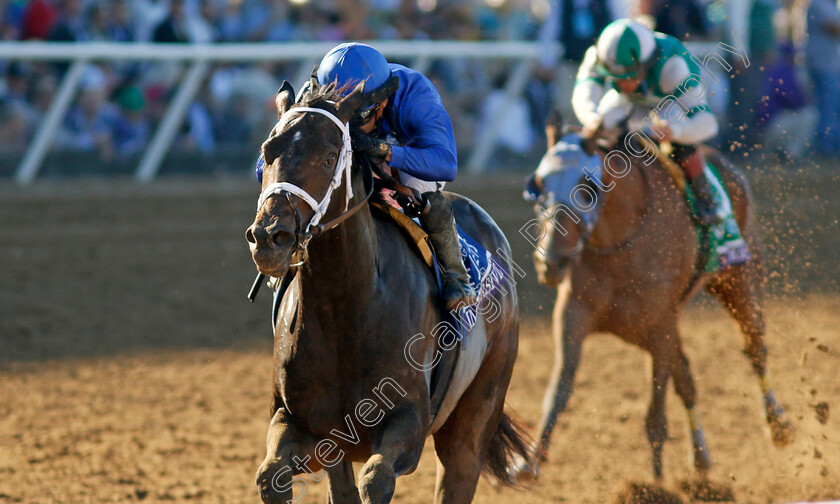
x: 402, y: 124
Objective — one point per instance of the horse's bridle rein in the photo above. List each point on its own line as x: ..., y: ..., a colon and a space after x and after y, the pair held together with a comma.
x: 342, y: 173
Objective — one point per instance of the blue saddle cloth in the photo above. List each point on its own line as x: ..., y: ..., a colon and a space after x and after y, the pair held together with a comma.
x: 487, y: 275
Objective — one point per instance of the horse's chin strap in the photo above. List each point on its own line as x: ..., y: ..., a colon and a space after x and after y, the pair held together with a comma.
x: 342, y: 170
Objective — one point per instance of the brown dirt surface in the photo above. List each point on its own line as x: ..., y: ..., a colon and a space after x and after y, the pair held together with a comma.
x: 643, y: 493
x: 133, y: 369
x: 707, y: 491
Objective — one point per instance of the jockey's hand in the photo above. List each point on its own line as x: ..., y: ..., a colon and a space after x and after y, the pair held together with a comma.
x: 589, y: 136
x: 662, y: 126
x: 591, y: 129
x: 668, y: 135
x: 377, y: 150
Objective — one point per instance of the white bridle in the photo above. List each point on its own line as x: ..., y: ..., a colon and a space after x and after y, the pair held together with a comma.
x: 342, y: 167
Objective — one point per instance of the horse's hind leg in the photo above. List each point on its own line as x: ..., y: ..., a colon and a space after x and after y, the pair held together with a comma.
x: 684, y: 386
x: 342, y: 485
x: 740, y: 290
x: 274, y: 477
x: 463, y: 442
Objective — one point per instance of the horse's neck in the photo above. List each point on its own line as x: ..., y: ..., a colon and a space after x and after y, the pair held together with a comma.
x: 624, y: 209
x: 340, y: 278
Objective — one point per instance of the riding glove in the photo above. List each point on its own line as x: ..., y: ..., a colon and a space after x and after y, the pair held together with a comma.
x: 376, y: 150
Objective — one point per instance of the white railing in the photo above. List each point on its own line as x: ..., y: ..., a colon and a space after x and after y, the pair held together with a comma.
x: 420, y: 54
x: 201, y: 56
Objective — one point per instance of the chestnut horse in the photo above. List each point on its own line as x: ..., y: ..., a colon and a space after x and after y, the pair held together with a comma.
x: 628, y: 268
x: 360, y: 306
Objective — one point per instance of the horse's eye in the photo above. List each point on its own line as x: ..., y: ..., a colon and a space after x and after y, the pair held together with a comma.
x: 329, y: 161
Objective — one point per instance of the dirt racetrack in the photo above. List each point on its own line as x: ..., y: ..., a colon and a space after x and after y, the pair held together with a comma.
x: 133, y: 369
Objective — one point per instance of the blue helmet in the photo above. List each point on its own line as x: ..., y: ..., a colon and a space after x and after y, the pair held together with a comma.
x: 350, y: 63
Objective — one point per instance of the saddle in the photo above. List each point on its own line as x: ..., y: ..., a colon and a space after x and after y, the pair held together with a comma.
x: 413, y: 232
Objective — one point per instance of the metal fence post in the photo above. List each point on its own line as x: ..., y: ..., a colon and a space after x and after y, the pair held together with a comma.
x: 31, y: 163
x: 165, y: 134
x: 484, y: 148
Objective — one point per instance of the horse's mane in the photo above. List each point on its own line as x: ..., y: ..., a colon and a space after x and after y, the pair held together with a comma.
x: 315, y: 95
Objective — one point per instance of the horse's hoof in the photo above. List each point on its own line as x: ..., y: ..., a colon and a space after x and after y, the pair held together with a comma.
x: 274, y: 482
x: 377, y: 480
x: 523, y: 472
x: 702, y: 464
x: 782, y: 432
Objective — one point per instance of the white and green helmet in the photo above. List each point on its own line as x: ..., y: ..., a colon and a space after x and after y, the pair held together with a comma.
x: 624, y: 48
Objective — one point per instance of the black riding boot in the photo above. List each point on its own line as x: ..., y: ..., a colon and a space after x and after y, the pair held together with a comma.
x: 709, y: 204
x: 439, y: 223
x: 709, y: 208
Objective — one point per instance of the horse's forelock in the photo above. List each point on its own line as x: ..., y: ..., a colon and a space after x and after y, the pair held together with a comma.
x: 321, y: 97
x: 330, y: 93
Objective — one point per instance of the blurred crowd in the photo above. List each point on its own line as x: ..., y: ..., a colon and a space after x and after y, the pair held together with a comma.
x: 783, y: 102
x: 120, y: 103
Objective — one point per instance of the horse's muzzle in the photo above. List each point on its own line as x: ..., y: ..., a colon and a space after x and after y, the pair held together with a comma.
x: 271, y: 246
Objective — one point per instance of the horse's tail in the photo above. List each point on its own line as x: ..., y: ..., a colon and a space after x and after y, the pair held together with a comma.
x: 509, y: 452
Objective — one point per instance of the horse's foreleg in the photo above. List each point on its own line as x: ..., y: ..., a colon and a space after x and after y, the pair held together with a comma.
x: 656, y: 423
x: 342, y: 485
x: 396, y: 451
x: 740, y: 291
x: 684, y: 386
x: 284, y: 442
x: 570, y: 329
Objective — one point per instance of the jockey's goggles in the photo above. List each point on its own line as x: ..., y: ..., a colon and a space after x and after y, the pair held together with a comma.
x: 618, y: 72
x: 371, y: 101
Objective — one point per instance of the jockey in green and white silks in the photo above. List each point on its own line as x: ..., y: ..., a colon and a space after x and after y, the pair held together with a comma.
x: 630, y: 67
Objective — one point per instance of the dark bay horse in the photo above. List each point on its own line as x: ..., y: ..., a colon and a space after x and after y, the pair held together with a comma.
x: 630, y: 273
x: 363, y: 304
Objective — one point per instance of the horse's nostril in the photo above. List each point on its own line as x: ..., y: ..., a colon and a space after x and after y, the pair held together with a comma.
x: 283, y: 238
x: 258, y: 235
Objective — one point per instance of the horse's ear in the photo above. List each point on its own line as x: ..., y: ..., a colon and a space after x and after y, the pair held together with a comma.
x: 553, y: 127
x: 284, y: 99
x: 313, y: 79
x: 350, y: 103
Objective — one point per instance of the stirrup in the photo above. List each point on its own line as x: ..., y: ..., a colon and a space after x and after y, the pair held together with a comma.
x: 457, y: 294
x: 709, y: 218
x: 709, y: 215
